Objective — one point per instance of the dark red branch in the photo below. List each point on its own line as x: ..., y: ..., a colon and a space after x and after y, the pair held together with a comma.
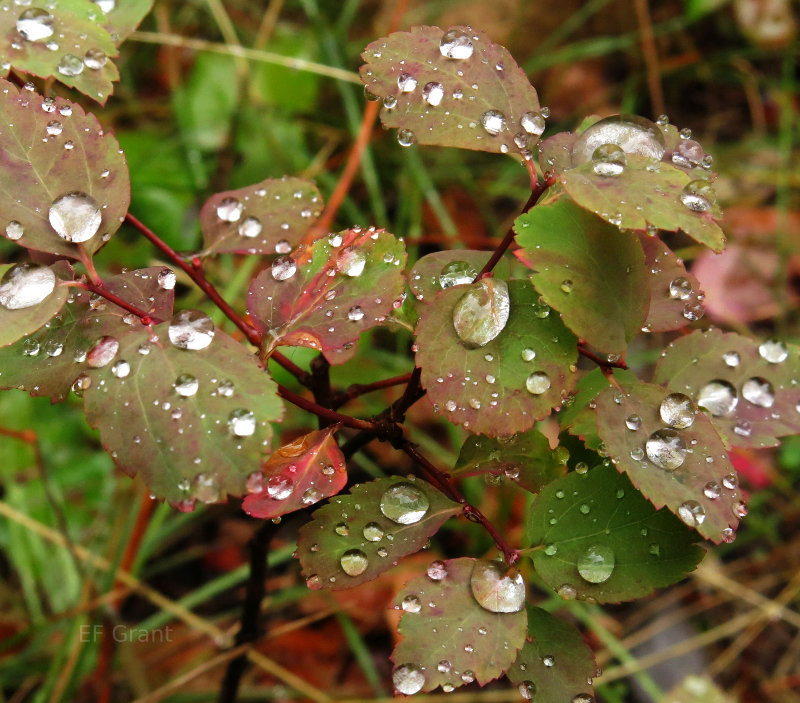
x: 599, y: 360
x: 327, y: 413
x: 103, y: 292
x: 358, y: 389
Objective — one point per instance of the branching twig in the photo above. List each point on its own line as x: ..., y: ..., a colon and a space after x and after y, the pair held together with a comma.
x: 327, y: 413
x: 101, y: 290
x: 358, y: 389
x: 599, y: 360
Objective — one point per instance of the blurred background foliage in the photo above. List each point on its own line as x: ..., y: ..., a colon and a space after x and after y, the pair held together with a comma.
x: 83, y: 549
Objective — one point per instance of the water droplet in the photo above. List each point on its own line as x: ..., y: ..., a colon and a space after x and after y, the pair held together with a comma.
x: 773, y: 351
x: 456, y: 273
x: 250, y: 227
x: 493, y: 122
x: 758, y: 391
x: 528, y: 355
x: 406, y: 83
x: 437, y: 570
x: 280, y: 487
x: 35, y: 24
x: 354, y: 562
x: 609, y: 160
x: 468, y: 676
x: 633, y: 134
x: 677, y: 410
x: 582, y: 698
x: 433, y: 93
x: 743, y: 428
x: 390, y: 102
x: 14, y: 230
x: 242, y: 423
x: 730, y: 481
x: 688, y: 154
x: 666, y: 449
x: 54, y: 128
x: 533, y: 123
x: 311, y: 495
x: 698, y: 196
x: 26, y: 285
x: 282, y: 247
x: 731, y: 359
x: 351, y: 262
x: 70, y: 65
x: 581, y: 468
x: 692, y: 513
x: 728, y: 535
x: 411, y: 604
x: 283, y: 268
x: 373, y: 532
x: 633, y: 422
x: 75, y: 217
x: 596, y: 564
x: 537, y: 383
x: 718, y: 397
x: 680, y: 288
x: 186, y: 385
x: 229, y: 209
x: 549, y: 660
x: 456, y: 44
x: 102, y: 353
x: 355, y: 313
x: 527, y: 689
x: 408, y: 679
x: 404, y: 504
x: 121, y: 369
x: 166, y: 279
x: 94, y: 59
x: 53, y: 348
x: 191, y: 329
x: 444, y: 666
x: 405, y: 137
x: 496, y: 588
x: 712, y: 490
x: 482, y: 313
x: 566, y: 286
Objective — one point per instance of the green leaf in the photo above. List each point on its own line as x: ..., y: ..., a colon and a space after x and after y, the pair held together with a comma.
x: 749, y: 388
x: 266, y: 218
x: 555, y: 665
x: 483, y: 101
x: 486, y: 388
x: 17, y: 322
x: 357, y: 537
x: 125, y: 17
x: 194, y: 424
x: 673, y: 455
x: 447, y: 636
x: 591, y: 272
x: 325, y: 295
x: 555, y: 152
x: 526, y: 459
x: 675, y: 295
x: 645, y: 193
x: 596, y: 537
x: 68, y: 41
x: 297, y: 475
x: 444, y: 269
x: 49, y: 361
x: 39, y: 169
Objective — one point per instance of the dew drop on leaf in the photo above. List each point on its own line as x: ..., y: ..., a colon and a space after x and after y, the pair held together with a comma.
x: 596, y: 564
x: 311, y: 495
x: 527, y: 689
x: 537, y: 383
x: 373, y: 532
x: 35, y: 24
x: 497, y: 589
x: 250, y: 227
x: 186, y: 385
x: 482, y: 313
x: 404, y: 504
x: 582, y: 698
x: 411, y: 604
x: 351, y: 262
x: 75, y: 217
x: 166, y: 279
x: 711, y: 490
x: 242, y: 422
x: 103, y: 352
x: 758, y: 391
x: 70, y: 65
x: 533, y: 123
x: 405, y: 137
x: 229, y: 209
x: 406, y: 83
x: 731, y: 359
x: 283, y: 268
x: 121, y: 369
x: 692, y: 513
x: 408, y: 679
x: 677, y: 410
x: 280, y: 487
x: 633, y: 134
x: 444, y: 666
x: 191, y: 329
x: 549, y: 660
x: 698, y: 196
x: 433, y: 93
x: 609, y: 160
x: 718, y: 397
x: 688, y: 154
x: 94, y: 59
x: 567, y: 592
x: 14, y: 230
x: 773, y: 351
x: 456, y: 44
x: 354, y: 562
x: 437, y: 570
x: 355, y: 313
x: 666, y: 449
x: 528, y: 354
x: 25, y: 285
x: 680, y: 288
x: 633, y: 422
x: 493, y: 122
x: 456, y: 273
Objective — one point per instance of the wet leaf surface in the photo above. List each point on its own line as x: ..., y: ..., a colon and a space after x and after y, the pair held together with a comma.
x: 40, y: 166
x: 681, y: 466
x: 597, y: 537
x: 125, y: 18
x: 591, y: 272
x: 326, y: 295
x: 482, y: 101
x: 297, y: 475
x: 445, y: 269
x: 370, y: 529
x: 451, y: 637
x: 504, y: 386
x: 270, y: 217
x: 750, y: 388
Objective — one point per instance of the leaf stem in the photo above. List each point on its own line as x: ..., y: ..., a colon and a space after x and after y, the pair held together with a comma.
x: 100, y: 289
x: 599, y: 360
x: 327, y: 413
x: 358, y: 389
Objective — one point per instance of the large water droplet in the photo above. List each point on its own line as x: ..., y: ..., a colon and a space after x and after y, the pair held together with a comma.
x: 456, y: 44
x: 633, y: 422
x: 283, y: 268
x: 712, y: 490
x: 666, y: 449
x: 70, y: 65
x: 166, y: 279
x: 408, y: 679
x: 497, y: 589
x: 280, y: 487
x: 411, y: 604
x: 406, y: 83
x: 186, y: 385
x: 103, y: 352
x: 121, y: 369
x: 493, y: 122
x: 404, y: 504
x: 596, y: 564
x: 457, y: 273
x: 698, y: 196
x: 482, y: 313
x: 351, y: 262
x: 191, y: 329
x: 373, y: 532
x: 25, y: 285
x: 537, y: 383
x: 773, y: 351
x: 229, y: 209
x: 609, y: 160
x: 527, y: 689
x: 250, y: 227
x: 14, y: 230
x: 688, y: 154
x: 633, y: 134
x: 677, y: 410
x: 242, y: 422
x: 35, y: 24
x: 718, y: 397
x: 95, y: 59
x: 680, y: 288
x: 692, y: 513
x: 437, y: 570
x: 354, y: 562
x: 758, y: 391
x: 731, y: 359
x: 405, y: 137
x: 355, y: 313
x: 433, y: 93
x: 533, y: 123
x: 75, y: 217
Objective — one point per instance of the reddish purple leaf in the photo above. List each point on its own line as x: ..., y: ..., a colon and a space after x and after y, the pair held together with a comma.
x: 270, y: 217
x: 325, y: 295
x: 297, y: 475
x: 452, y: 88
x: 673, y: 454
x: 58, y: 169
x: 749, y: 388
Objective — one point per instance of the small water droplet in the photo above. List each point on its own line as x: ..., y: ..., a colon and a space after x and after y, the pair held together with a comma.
x: 633, y: 422
x: 280, y: 487
x: 103, y: 352
x: 166, y: 279
x: 191, y: 329
x: 250, y: 227
x: 444, y: 666
x: 482, y: 312
x: 70, y: 65
x: 283, y: 268
x: 373, y: 532
x: 527, y: 689
x: 533, y: 123
x: 433, y: 93
x: 14, y: 230
x: 437, y: 570
x: 411, y: 604
x: 121, y: 369
x: 493, y: 122
x: 712, y: 490
x: 666, y: 449
x: 549, y: 660
x: 596, y: 564
x: 186, y: 385
x: 355, y: 313
x: 354, y: 562
x: 456, y: 44
x: 758, y: 391
x: 609, y: 160
x: 406, y: 83
x: 528, y: 354
x: 404, y: 504
x: 229, y: 209
x: 731, y: 359
x: 567, y: 592
x: 456, y: 273
x: 351, y: 262
x: 680, y: 288
x: 692, y: 513
x: 566, y: 286
x: 408, y: 679
x: 773, y: 351
x: 242, y: 423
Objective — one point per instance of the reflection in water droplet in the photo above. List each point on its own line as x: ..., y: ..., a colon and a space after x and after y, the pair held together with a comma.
x: 731, y: 359
x: 528, y: 355
x: 120, y: 369
x: 437, y: 570
x: 497, y: 589
x: 166, y: 279
x: 355, y: 313
x: 242, y: 423
x: 493, y: 122
x: 354, y: 562
x: 411, y: 604
x: 567, y: 592
x: 35, y: 24
x: 14, y: 230
x: 680, y: 288
x: 712, y: 490
x: 677, y: 410
x: 433, y: 93
x: 75, y: 217
x: 666, y: 449
x: 549, y: 660
x: 186, y: 385
x: 582, y: 698
x: 456, y: 44
x: 191, y: 329
x: 351, y: 262
x: 456, y: 273
x: 698, y: 196
x: 373, y: 532
x: 482, y: 312
x: 692, y: 513
x: 406, y: 83
x: 533, y: 123
x: 596, y: 564
x: 250, y: 227
x: 633, y: 134
x: 283, y: 268
x: 26, y: 285
x: 102, y: 353
x: 537, y: 383
x: 95, y: 59
x: 279, y: 487
x: 229, y: 209
x: 633, y: 422
x: 405, y: 137
x: 773, y: 351
x: 718, y: 397
x: 527, y: 689
x: 70, y: 65
x: 609, y: 160
x: 408, y: 679
x: 758, y: 391
x: 404, y: 504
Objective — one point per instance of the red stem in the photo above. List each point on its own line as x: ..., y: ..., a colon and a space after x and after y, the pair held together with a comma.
x: 358, y: 389
x: 103, y: 292
x: 599, y: 360
x: 327, y: 413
